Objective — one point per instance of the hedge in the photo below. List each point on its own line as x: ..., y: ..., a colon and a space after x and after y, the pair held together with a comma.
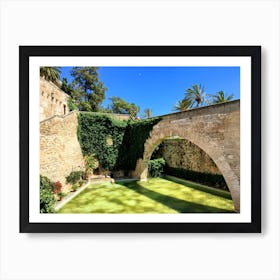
x: 156, y: 166
x: 213, y: 180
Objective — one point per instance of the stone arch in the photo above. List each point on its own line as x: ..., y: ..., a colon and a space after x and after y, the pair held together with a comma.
x: 211, y: 148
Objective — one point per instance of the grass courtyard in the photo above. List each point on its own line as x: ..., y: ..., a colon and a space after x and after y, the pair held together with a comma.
x: 157, y: 195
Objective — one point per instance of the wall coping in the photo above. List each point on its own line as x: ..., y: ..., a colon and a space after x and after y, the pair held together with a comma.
x: 193, y: 110
x: 59, y: 116
x: 111, y: 114
x: 222, y: 106
x: 76, y: 111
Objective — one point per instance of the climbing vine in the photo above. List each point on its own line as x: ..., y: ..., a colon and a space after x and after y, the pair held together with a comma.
x: 132, y: 149
x: 94, y: 130
x: 116, y: 144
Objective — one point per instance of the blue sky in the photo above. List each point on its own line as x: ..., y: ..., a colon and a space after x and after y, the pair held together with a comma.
x: 159, y: 88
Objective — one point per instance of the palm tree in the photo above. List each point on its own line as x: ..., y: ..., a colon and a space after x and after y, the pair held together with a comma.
x: 220, y: 97
x: 50, y: 73
x: 147, y: 113
x: 182, y: 105
x: 195, y: 95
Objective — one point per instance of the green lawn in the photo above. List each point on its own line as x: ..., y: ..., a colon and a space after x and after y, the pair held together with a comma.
x: 156, y: 195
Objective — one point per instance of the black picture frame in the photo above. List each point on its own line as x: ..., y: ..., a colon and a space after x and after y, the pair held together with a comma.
x: 254, y: 52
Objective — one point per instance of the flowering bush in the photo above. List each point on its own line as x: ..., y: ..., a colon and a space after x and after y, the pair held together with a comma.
x: 57, y: 187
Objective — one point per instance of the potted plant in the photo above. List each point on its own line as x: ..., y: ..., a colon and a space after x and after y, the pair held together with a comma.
x: 61, y: 195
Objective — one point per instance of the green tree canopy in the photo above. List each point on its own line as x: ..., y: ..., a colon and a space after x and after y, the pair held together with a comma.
x: 50, y: 73
x: 120, y: 106
x: 89, y: 90
x: 66, y: 87
x: 221, y: 97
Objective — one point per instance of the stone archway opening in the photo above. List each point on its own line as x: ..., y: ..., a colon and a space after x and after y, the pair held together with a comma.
x: 141, y: 170
x: 183, y: 157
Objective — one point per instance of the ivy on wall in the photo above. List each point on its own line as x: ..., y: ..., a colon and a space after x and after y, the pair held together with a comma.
x: 94, y: 130
x: 116, y: 144
x: 132, y: 149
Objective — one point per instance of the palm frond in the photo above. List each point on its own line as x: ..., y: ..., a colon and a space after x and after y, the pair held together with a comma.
x: 220, y: 97
x: 50, y: 73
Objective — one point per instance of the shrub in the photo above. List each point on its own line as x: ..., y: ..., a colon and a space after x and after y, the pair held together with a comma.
x: 214, y: 180
x: 74, y: 177
x: 75, y: 187
x: 57, y: 187
x: 61, y: 195
x: 80, y: 183
x: 156, y: 166
x: 47, y: 200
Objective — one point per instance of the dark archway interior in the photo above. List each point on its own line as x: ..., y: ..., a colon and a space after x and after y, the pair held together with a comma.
x: 188, y: 161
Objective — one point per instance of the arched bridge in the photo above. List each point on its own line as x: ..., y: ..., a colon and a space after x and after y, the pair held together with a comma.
x: 215, y: 129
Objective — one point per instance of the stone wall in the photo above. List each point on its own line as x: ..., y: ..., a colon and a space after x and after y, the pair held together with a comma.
x: 121, y: 117
x: 53, y: 101
x: 232, y: 141
x: 181, y: 153
x: 60, y: 151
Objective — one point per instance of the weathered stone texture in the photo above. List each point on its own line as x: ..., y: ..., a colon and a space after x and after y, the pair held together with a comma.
x: 181, y: 153
x: 53, y: 101
x: 60, y: 151
x: 121, y: 117
x: 215, y: 129
x: 232, y: 141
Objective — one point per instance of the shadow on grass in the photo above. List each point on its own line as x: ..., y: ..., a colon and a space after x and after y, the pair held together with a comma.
x: 178, y: 205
